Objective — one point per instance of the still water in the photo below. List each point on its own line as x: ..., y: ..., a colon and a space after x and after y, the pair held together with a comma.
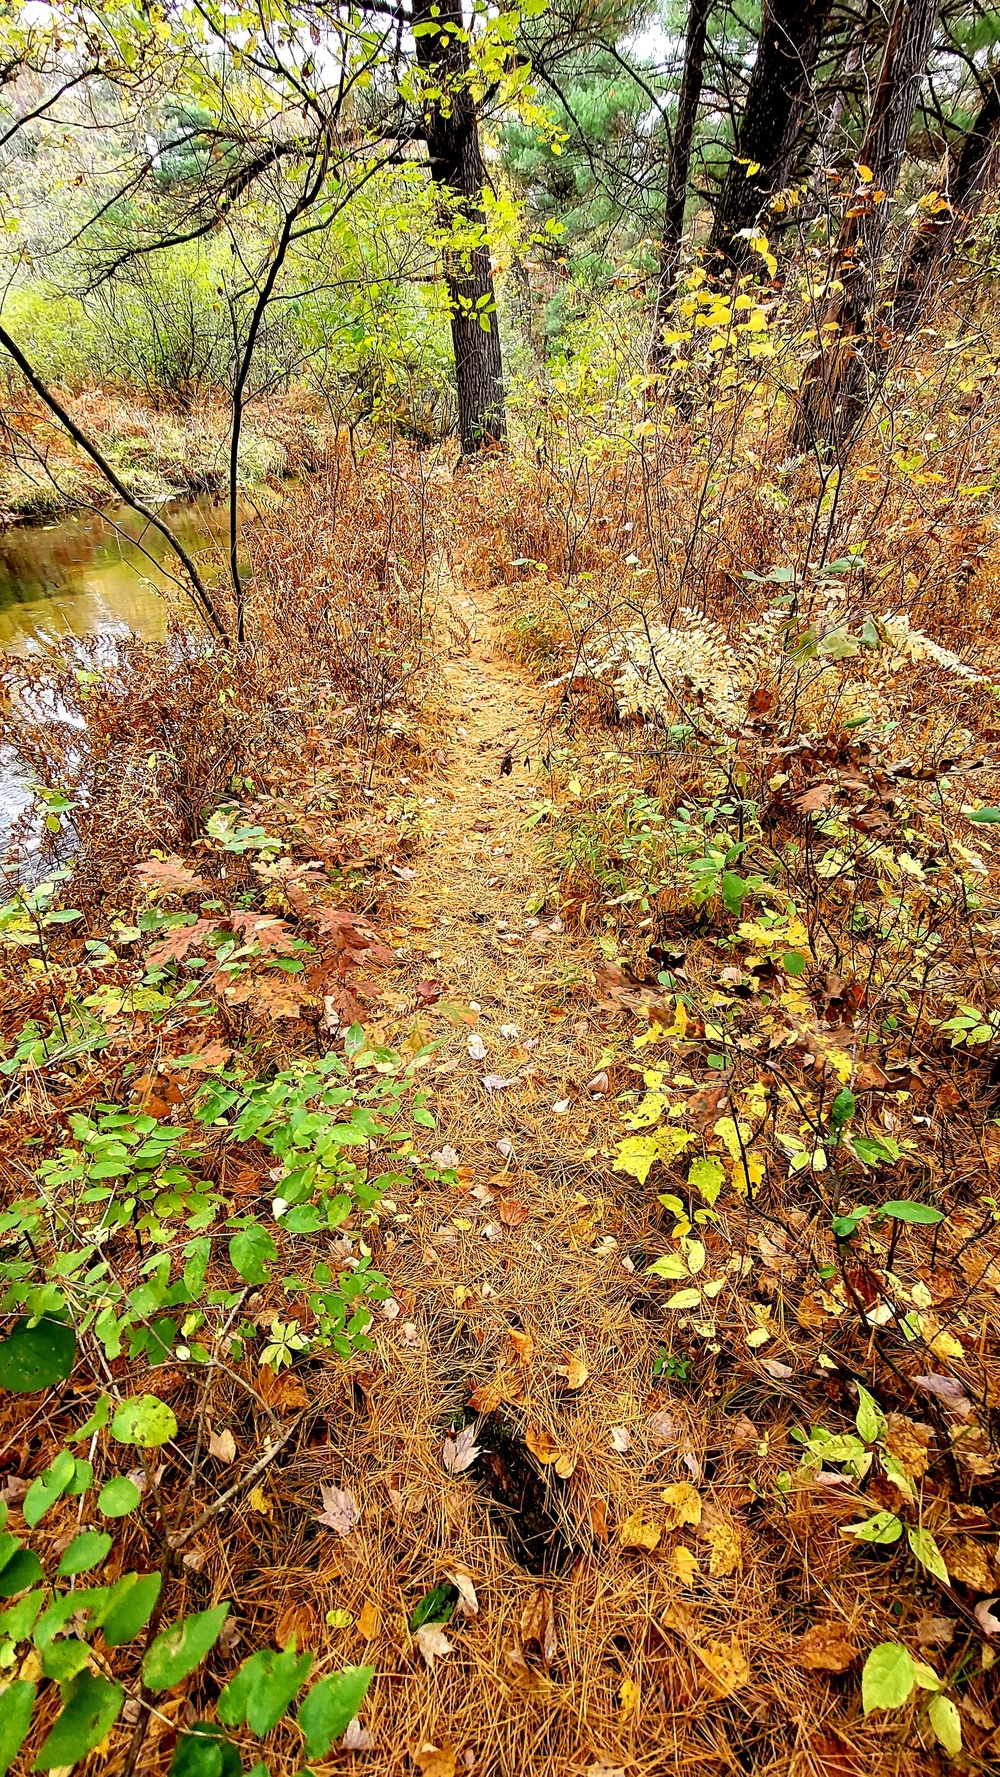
x: 90, y: 574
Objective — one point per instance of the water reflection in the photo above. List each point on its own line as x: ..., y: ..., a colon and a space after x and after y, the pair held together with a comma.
x: 93, y: 574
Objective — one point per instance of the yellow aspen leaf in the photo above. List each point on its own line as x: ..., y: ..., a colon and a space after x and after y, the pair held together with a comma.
x: 259, y: 1502
x: 727, y: 1553
x: 628, y: 1698
x: 522, y: 1345
x: 726, y: 1666
x: 542, y: 1445
x: 369, y: 1620
x: 638, y: 1533
x: 575, y: 1372
x: 865, y: 174
x: 683, y: 1504
x: 683, y: 1565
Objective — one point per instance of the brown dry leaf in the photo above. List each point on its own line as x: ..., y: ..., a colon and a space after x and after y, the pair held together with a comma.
x: 435, y: 1761
x: 542, y: 1444
x: 832, y: 1757
x: 525, y: 1678
x: 297, y: 1620
x: 538, y: 1624
x: 727, y: 1551
x: 369, y: 1620
x: 340, y: 1512
x: 467, y: 1604
x: 283, y: 1392
x: 575, y: 1372
x: 222, y: 1445
x: 169, y: 873
x: 488, y: 1396
x: 683, y: 1565
x: 512, y: 1211
x: 823, y: 1648
x: 726, y: 1665
x: 599, y: 1520
x: 460, y: 1452
x: 936, y: 1632
x: 908, y: 1441
x: 637, y: 1533
x: 679, y: 1616
x: 683, y: 1503
x: 969, y: 1562
x: 522, y: 1345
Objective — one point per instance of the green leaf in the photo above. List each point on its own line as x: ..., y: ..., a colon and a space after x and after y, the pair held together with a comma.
x: 204, y: 1752
x: 47, y: 1487
x: 794, y: 962
x: 179, y: 1649
x: 707, y: 1177
x: 263, y: 1688
x: 84, y: 1552
x: 21, y: 1571
x: 62, y: 1660
x: 435, y: 1606
x: 130, y: 1606
x: 985, y: 816
x: 887, y: 1678
x: 19, y: 1620
x: 35, y: 1357
x: 902, y: 1210
x: 90, y: 1707
x: 927, y: 1552
x: 331, y: 1706
x: 117, y: 1497
x: 145, y: 1421
x: 946, y: 1722
x: 880, y: 1528
x: 869, y: 1419
x: 842, y: 1108
x: 683, y: 1299
x: 671, y: 1265
x: 15, y: 1720
x: 250, y: 1252
x: 97, y: 1421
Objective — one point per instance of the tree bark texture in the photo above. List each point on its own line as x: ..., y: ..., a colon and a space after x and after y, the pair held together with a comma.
x: 451, y: 127
x: 678, y: 172
x: 961, y: 193
x: 837, y: 383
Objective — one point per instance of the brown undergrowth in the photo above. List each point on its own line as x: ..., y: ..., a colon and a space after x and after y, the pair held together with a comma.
x: 654, y: 1580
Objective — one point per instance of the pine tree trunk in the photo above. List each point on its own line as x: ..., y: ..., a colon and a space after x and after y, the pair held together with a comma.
x: 779, y: 87
x: 961, y: 196
x: 451, y: 127
x: 679, y: 173
x: 837, y: 383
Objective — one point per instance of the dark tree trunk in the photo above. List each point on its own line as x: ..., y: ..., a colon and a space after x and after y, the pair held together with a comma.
x: 961, y: 195
x: 835, y: 387
x: 779, y: 88
x: 679, y: 171
x: 451, y: 127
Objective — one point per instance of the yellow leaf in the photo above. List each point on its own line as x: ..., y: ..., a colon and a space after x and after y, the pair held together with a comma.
x: 683, y: 1504
x: 370, y: 1620
x: 259, y: 1502
x: 683, y: 1565
x: 522, y: 1345
x: 726, y: 1666
x: 683, y: 1299
x: 865, y: 175
x: 727, y: 1555
x: 637, y: 1533
x: 628, y: 1697
x: 542, y: 1445
x: 575, y: 1372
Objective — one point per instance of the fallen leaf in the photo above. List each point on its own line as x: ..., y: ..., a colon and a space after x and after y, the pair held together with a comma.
x: 599, y: 1085
x: 435, y: 1761
x: 259, y: 1502
x: 222, y: 1445
x: 538, y: 1624
x: 683, y: 1565
x: 604, y: 1767
x: 823, y: 1648
x: 283, y: 1392
x: 432, y: 1642
x: 369, y: 1620
x: 968, y: 1561
x: 460, y: 1452
x: 663, y: 1430
x: 535, y: 1683
x: 683, y: 1503
x: 542, y: 1444
x: 339, y: 1513
x: 985, y: 1616
x: 637, y: 1533
x: 936, y: 1632
x: 446, y: 1158
x: 356, y: 1738
x: 678, y: 1615
x: 620, y: 1439
x: 948, y: 1390
x: 599, y: 1520
x: 726, y: 1666
x: 497, y: 1083
x: 429, y: 992
x: 727, y: 1552
x: 776, y: 1368
x: 512, y: 1211
x: 476, y: 1046
x: 522, y: 1345
x: 575, y: 1372
x: 467, y: 1604
x: 565, y: 1465
x: 628, y: 1699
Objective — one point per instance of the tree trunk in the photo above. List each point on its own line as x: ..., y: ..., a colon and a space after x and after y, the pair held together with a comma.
x: 780, y: 83
x: 834, y: 389
x: 960, y: 196
x: 451, y: 127
x: 678, y: 172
